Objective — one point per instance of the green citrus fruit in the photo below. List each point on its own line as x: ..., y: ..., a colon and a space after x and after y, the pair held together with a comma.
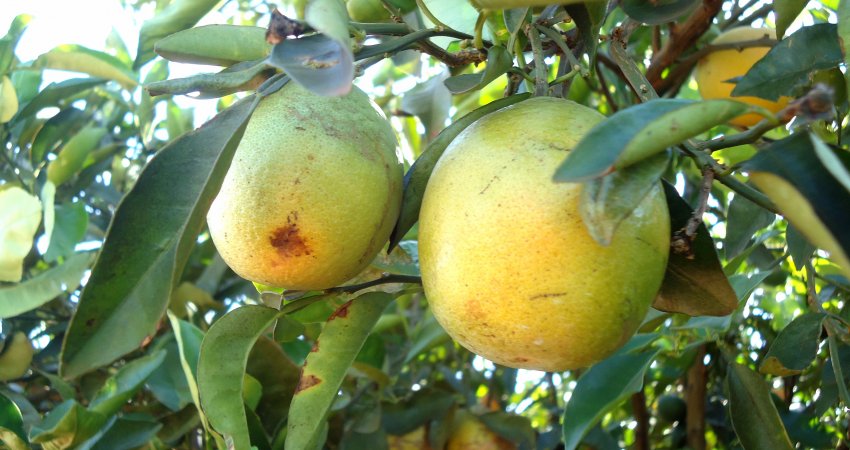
x: 671, y: 408
x: 312, y: 193
x: 715, y: 69
x: 16, y: 357
x: 508, y: 266
x: 367, y: 11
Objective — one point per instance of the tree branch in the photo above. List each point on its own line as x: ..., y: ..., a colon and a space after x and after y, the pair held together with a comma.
x: 695, y: 394
x: 681, y: 38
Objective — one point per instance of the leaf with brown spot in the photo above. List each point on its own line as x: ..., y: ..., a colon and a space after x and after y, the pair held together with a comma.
x: 324, y: 369
x: 306, y: 382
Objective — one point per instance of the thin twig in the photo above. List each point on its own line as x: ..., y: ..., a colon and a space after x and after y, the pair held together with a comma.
x: 387, y: 279
x: 541, y: 72
x: 682, y: 38
x: 704, y: 192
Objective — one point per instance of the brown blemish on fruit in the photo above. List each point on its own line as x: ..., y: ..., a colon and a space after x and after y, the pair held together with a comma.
x: 315, y: 347
x: 287, y: 239
x: 311, y: 157
x: 341, y: 312
x: 550, y: 295
x: 307, y: 382
x: 495, y: 178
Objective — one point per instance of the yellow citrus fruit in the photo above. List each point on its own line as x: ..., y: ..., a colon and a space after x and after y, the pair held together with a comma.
x: 715, y: 69
x: 16, y: 357
x: 312, y: 193
x: 471, y: 434
x: 508, y: 266
x: 415, y: 440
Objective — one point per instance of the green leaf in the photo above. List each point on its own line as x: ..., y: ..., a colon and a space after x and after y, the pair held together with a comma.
x: 42, y: 288
x: 798, y: 247
x: 427, y: 335
x: 67, y: 426
x: 786, y: 11
x: 56, y: 92
x: 74, y: 153
x: 753, y: 414
x: 643, y: 130
x: 12, y: 431
x: 422, y: 407
x: 221, y: 366
x: 128, y: 432
x: 657, y: 13
x: 844, y: 30
x: 607, y: 201
x: 325, y: 367
x: 431, y: 102
x: 695, y: 286
x: 211, y: 85
x: 70, y: 228
x: 791, y: 63
x: 122, y: 386
x: 189, y: 338
x: 149, y: 241
x: 178, y: 15
x: 417, y: 177
x: 278, y: 375
x: 221, y: 45
x: 317, y: 62
x: 65, y: 390
x: 796, y: 346
x: 76, y: 58
x: 588, y: 17
x: 743, y: 220
x: 498, y: 62
x: 322, y: 63
x: 55, y: 131
x: 515, y: 428
x: 168, y: 382
x: 603, y: 387
x: 806, y: 192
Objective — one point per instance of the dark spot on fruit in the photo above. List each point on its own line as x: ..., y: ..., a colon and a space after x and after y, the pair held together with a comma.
x: 495, y: 178
x: 307, y: 382
x: 549, y: 295
x: 90, y: 322
x: 311, y: 157
x: 315, y: 347
x: 287, y: 239
x: 300, y: 128
x: 341, y: 312
x: 520, y: 359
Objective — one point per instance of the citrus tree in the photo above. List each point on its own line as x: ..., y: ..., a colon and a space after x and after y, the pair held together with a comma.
x: 497, y: 224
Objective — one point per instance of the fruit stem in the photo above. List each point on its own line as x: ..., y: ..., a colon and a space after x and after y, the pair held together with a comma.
x: 541, y: 71
x: 427, y: 13
x: 386, y: 279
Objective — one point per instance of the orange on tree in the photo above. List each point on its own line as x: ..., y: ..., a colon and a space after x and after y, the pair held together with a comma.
x: 312, y: 193
x: 714, y: 71
x: 508, y: 266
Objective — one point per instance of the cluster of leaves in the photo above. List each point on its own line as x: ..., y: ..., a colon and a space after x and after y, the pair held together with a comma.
x: 165, y: 347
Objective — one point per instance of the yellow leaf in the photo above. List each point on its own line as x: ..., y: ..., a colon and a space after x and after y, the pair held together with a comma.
x: 20, y: 214
x: 8, y: 100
